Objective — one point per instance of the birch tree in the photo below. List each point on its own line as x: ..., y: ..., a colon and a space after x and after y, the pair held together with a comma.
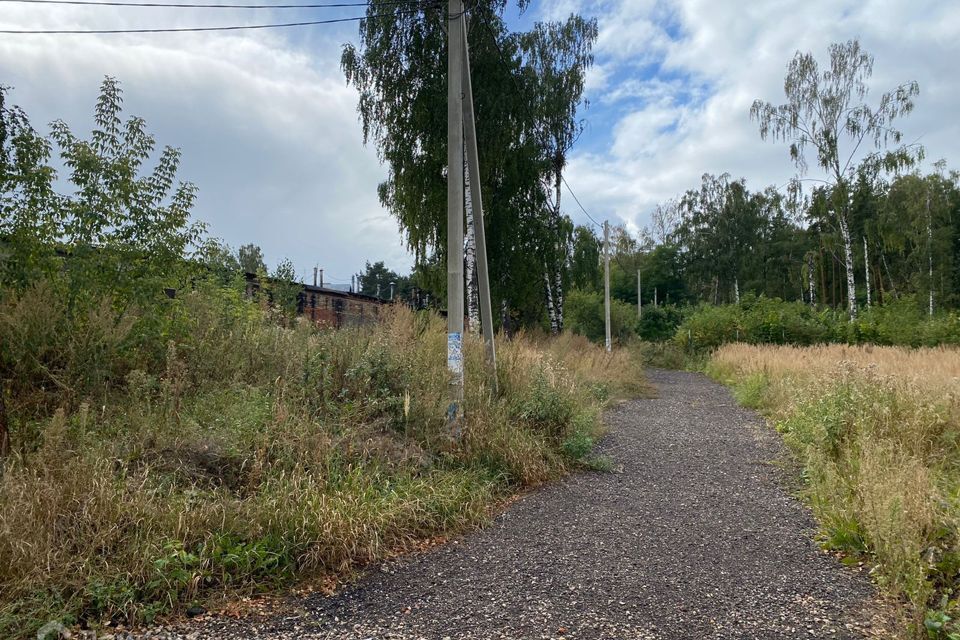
x: 556, y: 58
x: 399, y: 71
x: 470, y: 257
x: 826, y: 111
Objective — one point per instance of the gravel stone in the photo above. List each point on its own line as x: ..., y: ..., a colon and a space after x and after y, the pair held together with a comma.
x: 695, y: 534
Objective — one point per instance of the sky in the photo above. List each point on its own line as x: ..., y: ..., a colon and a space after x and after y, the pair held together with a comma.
x: 269, y: 130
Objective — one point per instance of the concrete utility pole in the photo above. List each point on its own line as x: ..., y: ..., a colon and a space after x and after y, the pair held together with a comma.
x: 606, y: 282
x: 392, y: 285
x: 639, y: 298
x: 455, y: 213
x: 473, y: 163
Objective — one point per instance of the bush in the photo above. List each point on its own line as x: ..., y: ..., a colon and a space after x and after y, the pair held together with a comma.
x: 659, y: 323
x: 244, y: 453
x: 584, y: 315
x: 762, y: 320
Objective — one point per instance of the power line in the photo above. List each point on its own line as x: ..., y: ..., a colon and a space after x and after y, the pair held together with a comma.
x: 577, y: 200
x: 506, y: 67
x: 190, y: 29
x: 191, y: 5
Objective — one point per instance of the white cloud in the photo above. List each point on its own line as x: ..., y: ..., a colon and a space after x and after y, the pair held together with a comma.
x: 691, y: 115
x: 268, y: 129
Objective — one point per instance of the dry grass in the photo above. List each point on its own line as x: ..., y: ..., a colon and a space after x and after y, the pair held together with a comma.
x: 250, y: 454
x: 878, y: 431
x: 929, y: 368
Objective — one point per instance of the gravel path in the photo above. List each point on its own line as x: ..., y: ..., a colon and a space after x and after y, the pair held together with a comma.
x: 693, y: 536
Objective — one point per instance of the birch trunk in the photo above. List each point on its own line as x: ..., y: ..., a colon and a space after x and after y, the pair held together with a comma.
x: 866, y: 268
x: 811, y: 280
x: 470, y: 258
x: 930, y: 250
x: 736, y: 290
x: 893, y: 285
x: 559, y: 299
x: 551, y: 309
x: 504, y: 317
x: 848, y: 263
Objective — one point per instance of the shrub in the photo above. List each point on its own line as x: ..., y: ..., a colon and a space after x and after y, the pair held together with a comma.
x: 659, y: 323
x: 584, y: 315
x: 245, y: 453
x: 762, y: 320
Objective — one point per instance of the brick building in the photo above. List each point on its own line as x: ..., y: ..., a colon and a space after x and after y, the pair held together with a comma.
x: 337, y: 309
x: 330, y: 307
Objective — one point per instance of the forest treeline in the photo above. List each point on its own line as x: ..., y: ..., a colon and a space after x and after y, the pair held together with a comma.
x: 860, y: 225
x: 725, y: 244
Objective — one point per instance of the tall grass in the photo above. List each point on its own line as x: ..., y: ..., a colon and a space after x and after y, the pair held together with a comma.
x: 878, y: 432
x: 169, y: 459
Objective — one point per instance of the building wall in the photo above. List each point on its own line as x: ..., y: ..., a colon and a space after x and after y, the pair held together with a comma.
x: 338, y: 309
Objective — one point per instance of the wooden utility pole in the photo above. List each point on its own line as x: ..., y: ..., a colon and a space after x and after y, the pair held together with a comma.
x: 455, y: 213
x: 476, y: 200
x: 606, y: 282
x: 639, y: 298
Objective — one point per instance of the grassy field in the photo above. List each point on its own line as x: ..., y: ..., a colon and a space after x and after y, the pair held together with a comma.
x: 249, y: 454
x: 877, y: 430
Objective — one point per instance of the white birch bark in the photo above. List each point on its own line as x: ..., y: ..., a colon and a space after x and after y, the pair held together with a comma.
x: 811, y: 280
x: 736, y: 290
x: 848, y: 263
x: 559, y: 299
x: 866, y: 268
x: 930, y: 250
x: 551, y: 309
x: 504, y: 317
x: 470, y: 258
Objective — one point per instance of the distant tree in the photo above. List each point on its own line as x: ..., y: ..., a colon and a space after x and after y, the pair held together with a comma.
x: 285, y: 291
x: 585, y: 258
x: 220, y: 260
x: 376, y: 280
x: 250, y: 258
x: 826, y: 110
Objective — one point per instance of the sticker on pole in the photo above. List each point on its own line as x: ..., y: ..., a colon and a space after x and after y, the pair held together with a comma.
x: 455, y: 353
